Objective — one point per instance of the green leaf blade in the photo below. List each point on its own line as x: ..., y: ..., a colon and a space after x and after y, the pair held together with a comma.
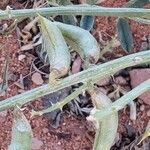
x: 87, y: 22
x: 124, y: 34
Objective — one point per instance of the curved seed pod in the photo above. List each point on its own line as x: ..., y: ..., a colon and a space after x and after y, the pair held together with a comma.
x: 85, y: 42
x: 107, y: 128
x: 56, y: 48
x: 21, y: 132
x: 124, y: 34
x: 87, y: 22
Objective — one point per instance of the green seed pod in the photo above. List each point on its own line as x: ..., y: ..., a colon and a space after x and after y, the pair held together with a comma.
x: 86, y: 44
x: 107, y: 128
x: 21, y: 132
x: 56, y: 48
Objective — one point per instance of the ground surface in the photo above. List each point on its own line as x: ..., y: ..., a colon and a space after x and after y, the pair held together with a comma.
x: 73, y: 132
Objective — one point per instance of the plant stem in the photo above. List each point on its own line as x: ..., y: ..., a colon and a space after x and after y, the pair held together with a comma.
x: 97, y: 72
x: 141, y: 20
x: 121, y: 102
x: 61, y: 103
x: 77, y: 10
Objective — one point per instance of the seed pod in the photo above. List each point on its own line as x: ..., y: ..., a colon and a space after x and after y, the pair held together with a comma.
x: 21, y: 132
x: 86, y: 44
x: 56, y: 48
x: 107, y: 129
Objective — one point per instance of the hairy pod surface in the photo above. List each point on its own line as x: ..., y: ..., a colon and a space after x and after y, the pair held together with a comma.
x: 106, y: 132
x: 87, y: 44
x: 56, y: 47
x: 21, y: 132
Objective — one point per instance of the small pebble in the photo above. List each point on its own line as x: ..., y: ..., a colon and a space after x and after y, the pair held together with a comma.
x: 36, y: 144
x: 144, y: 46
x: 64, y: 124
x: 148, y: 113
x: 142, y: 107
x: 144, y: 38
x: 37, y: 78
x: 45, y: 130
x: 21, y: 57
x: 76, y: 66
x: 2, y: 59
x: 138, y: 76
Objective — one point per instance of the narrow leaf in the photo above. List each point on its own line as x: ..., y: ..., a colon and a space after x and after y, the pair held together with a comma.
x: 124, y: 34
x: 87, y: 22
x: 136, y: 3
x: 71, y: 19
x: 4, y: 83
x: 21, y: 132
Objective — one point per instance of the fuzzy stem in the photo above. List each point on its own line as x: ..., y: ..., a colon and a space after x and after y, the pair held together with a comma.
x: 121, y: 102
x: 77, y: 10
x: 59, y: 105
x: 92, y: 74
